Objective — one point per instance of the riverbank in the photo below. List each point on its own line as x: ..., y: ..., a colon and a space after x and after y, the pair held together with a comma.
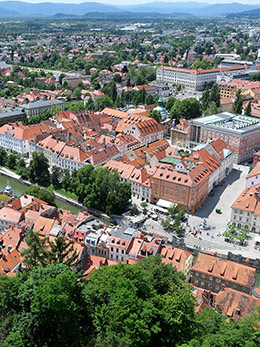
x: 20, y: 186
x: 62, y: 201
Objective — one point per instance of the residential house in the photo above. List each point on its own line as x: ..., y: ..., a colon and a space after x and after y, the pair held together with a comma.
x: 10, y: 217
x: 245, y: 211
x: 146, y: 131
x: 234, y: 304
x: 179, y: 258
x: 211, y: 272
x: 253, y: 178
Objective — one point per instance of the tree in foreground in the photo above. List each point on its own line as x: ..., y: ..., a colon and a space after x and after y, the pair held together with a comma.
x: 41, y: 251
x: 145, y: 305
x: 36, y: 253
x: 62, y: 251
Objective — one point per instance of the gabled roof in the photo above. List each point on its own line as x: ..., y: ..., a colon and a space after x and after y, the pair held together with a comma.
x: 23, y: 132
x: 235, y: 304
x: 10, y: 215
x: 230, y: 271
x: 43, y: 225
x: 174, y: 256
x: 10, y: 261
x: 249, y: 200
x: 255, y: 171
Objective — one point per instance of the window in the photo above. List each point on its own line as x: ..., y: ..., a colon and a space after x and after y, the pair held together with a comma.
x: 209, y: 285
x: 196, y: 281
x: 218, y: 280
x: 202, y: 283
x: 203, y: 276
x: 123, y: 251
x: 210, y: 278
x: 197, y: 274
x: 217, y: 288
x: 112, y: 249
x: 117, y: 250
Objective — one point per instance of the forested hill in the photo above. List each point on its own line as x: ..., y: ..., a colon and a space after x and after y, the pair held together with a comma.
x: 252, y: 14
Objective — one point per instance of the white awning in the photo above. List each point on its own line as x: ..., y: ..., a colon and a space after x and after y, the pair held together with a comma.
x: 164, y: 203
x: 257, y: 238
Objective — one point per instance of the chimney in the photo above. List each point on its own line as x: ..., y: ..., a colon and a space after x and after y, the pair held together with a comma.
x: 247, y: 261
x: 215, y: 254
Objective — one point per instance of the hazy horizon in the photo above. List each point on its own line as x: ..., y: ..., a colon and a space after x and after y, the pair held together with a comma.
x: 135, y: 2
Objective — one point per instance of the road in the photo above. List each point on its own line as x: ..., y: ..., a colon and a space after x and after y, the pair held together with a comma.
x: 54, y: 72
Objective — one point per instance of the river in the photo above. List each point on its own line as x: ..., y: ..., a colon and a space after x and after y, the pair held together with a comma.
x: 20, y: 188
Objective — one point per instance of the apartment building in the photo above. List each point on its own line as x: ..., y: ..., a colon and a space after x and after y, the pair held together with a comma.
x: 229, y: 89
x: 149, y: 89
x: 253, y: 178
x: 60, y: 154
x: 11, y: 116
x: 179, y: 258
x: 256, y: 158
x: 10, y: 217
x: 146, y: 131
x: 16, y: 136
x: 39, y: 107
x: 221, y: 151
x: 245, y: 211
x: 211, y: 272
x: 195, y: 79
x: 187, y: 187
x: 209, y: 161
x: 240, y: 132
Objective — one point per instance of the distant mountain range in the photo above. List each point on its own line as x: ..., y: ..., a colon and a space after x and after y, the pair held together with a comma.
x: 252, y: 14
x: 94, y: 9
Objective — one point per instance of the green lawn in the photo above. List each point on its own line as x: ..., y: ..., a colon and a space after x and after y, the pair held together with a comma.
x: 4, y: 197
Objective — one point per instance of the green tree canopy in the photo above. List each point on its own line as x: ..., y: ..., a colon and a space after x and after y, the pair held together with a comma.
x: 38, y: 169
x: 155, y: 115
x: 238, y: 103
x: 248, y: 110
x: 3, y: 156
x: 43, y: 194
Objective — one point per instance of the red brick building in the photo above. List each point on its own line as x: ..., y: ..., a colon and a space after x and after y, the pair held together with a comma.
x: 240, y: 132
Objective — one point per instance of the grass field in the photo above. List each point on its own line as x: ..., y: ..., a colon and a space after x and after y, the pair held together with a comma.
x: 4, y: 197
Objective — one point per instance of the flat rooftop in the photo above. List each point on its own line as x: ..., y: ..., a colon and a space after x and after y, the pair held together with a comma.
x: 230, y: 121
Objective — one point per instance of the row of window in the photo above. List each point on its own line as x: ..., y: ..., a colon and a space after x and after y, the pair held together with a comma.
x: 117, y: 250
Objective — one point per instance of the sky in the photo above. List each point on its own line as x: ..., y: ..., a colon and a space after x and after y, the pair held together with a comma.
x: 132, y: 2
